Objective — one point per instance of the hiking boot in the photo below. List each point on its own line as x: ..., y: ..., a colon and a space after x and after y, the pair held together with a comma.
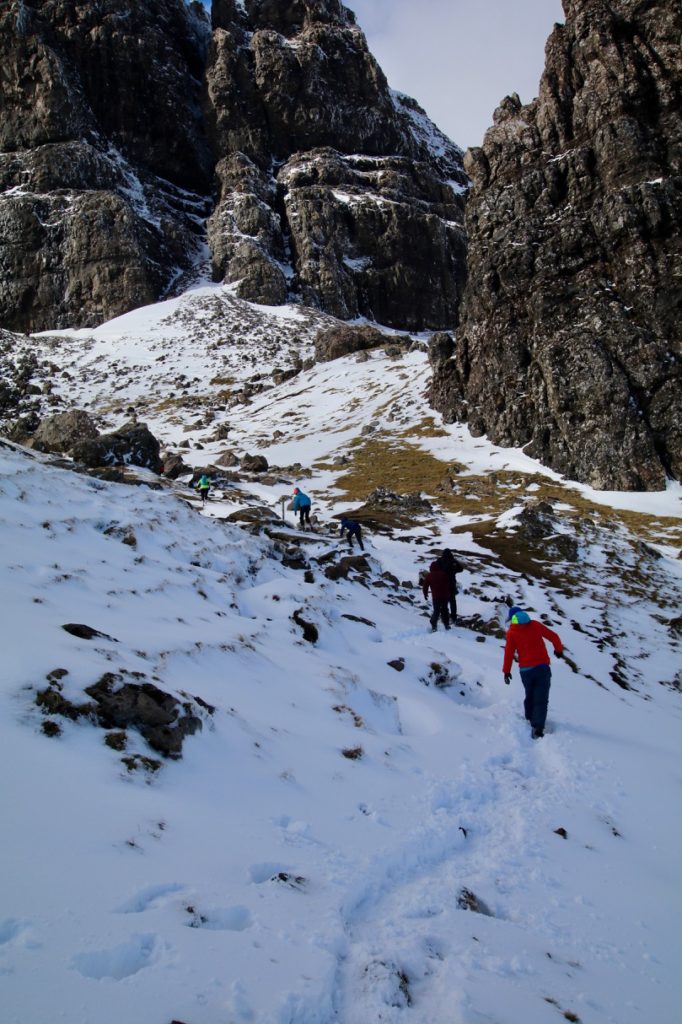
x: 537, y: 734
x: 434, y: 629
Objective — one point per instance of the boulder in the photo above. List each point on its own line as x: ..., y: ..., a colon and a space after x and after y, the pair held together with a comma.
x: 162, y: 719
x: 132, y: 444
x: 539, y: 529
x: 158, y: 716
x: 64, y: 430
x: 344, y: 339
x: 227, y: 459
x: 254, y: 464
x: 173, y: 466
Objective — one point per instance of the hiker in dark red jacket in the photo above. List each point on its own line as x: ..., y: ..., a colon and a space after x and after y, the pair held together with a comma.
x: 438, y: 582
x: 525, y: 638
x: 452, y: 566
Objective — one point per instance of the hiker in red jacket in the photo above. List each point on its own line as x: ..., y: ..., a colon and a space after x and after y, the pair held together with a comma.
x: 438, y: 582
x: 525, y: 639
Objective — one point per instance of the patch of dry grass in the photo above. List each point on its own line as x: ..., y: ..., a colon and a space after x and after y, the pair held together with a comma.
x: 400, y: 467
x: 426, y: 428
x: 404, y: 468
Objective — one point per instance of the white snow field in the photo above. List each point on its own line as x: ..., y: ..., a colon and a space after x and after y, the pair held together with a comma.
x: 345, y: 840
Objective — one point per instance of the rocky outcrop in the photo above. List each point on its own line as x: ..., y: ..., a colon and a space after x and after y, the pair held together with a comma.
x: 119, y: 119
x: 131, y: 445
x: 332, y: 189
x: 569, y: 342
x: 61, y: 432
x: 115, y: 703
x: 103, y: 157
x: 75, y: 434
x: 344, y: 339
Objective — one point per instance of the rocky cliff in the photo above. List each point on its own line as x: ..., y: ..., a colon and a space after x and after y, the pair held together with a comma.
x: 570, y: 332
x: 103, y: 156
x: 332, y: 188
x: 124, y: 124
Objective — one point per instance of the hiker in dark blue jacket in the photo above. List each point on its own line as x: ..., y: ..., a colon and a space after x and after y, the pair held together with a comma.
x: 354, y: 531
x: 302, y: 506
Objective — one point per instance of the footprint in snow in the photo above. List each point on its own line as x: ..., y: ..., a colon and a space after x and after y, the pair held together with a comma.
x: 150, y: 898
x: 14, y: 931
x: 297, y: 833
x: 260, y: 873
x: 122, y: 961
x: 9, y: 929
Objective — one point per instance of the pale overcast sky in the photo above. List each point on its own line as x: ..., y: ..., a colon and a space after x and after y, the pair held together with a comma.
x: 459, y: 58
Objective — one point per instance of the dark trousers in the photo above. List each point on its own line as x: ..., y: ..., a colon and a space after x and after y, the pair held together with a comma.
x: 440, y: 611
x: 203, y: 491
x: 536, y: 682
x: 304, y: 515
x: 358, y: 536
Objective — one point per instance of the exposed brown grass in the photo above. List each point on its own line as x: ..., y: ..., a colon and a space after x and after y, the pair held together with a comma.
x: 398, y: 466
x: 403, y: 467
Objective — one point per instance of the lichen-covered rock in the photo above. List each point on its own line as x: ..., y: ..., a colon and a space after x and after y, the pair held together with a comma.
x: 332, y: 189
x: 344, y: 339
x: 227, y: 459
x: 158, y: 716
x: 99, y: 186
x: 119, y: 121
x: 569, y: 341
x: 132, y: 445
x: 254, y: 464
x: 59, y: 433
x: 173, y: 466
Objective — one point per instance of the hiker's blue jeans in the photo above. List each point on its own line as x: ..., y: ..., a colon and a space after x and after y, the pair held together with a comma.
x: 536, y: 683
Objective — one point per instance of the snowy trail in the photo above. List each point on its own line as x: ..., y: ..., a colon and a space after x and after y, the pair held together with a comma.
x: 491, y: 831
x: 305, y: 861
x: 481, y: 825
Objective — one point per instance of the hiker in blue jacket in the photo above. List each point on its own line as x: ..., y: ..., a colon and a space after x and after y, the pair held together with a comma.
x: 302, y: 506
x: 353, y: 530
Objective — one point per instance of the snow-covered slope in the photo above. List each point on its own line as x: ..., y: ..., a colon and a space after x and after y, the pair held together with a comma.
x: 314, y: 855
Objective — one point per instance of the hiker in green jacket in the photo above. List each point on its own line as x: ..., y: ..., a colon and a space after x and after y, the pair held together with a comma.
x: 203, y: 485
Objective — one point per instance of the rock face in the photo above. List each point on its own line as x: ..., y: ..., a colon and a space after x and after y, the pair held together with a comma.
x: 343, y: 339
x: 59, y: 433
x: 569, y: 341
x: 331, y: 188
x: 103, y: 157
x: 131, y: 445
x: 120, y: 117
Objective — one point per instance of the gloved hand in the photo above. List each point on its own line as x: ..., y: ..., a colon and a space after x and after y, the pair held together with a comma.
x: 559, y: 654
x: 507, y: 678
